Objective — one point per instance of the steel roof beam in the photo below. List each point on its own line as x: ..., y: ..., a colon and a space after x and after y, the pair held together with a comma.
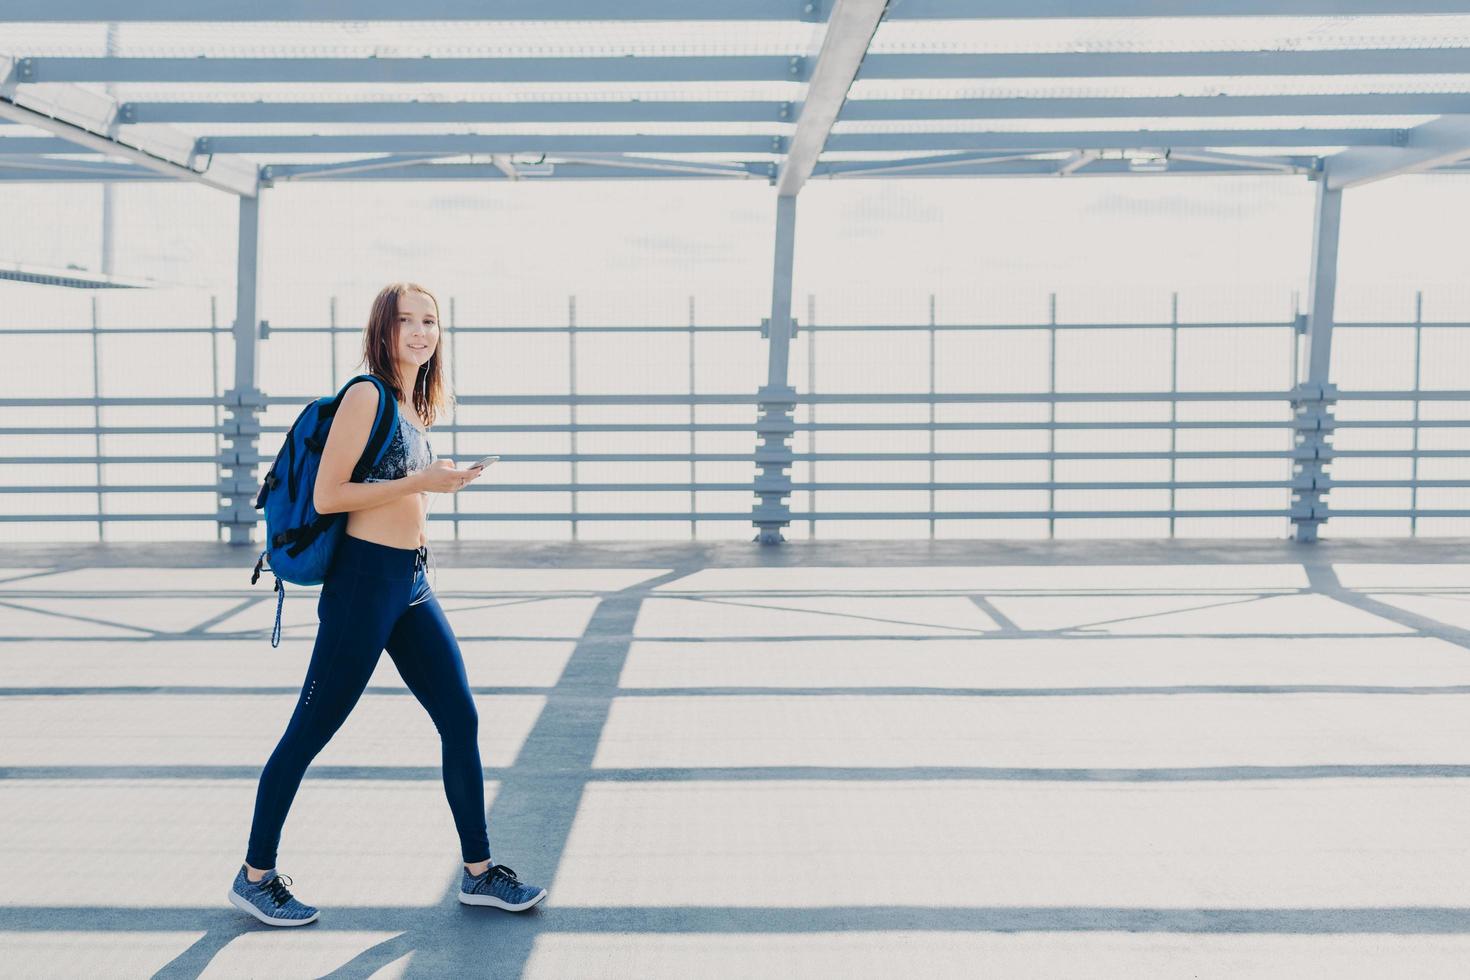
x: 496, y: 143
x: 1021, y: 167
x: 551, y: 170
x: 1037, y: 9
x: 1118, y: 139
x: 82, y: 120
x: 725, y: 68
x: 1172, y: 64
x: 212, y: 11
x: 1024, y: 167
x: 849, y: 30
x: 854, y: 110
x: 1438, y: 143
x: 1092, y: 64
x: 741, y: 145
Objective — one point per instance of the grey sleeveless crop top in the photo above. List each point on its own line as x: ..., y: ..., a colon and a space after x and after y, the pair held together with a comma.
x: 408, y: 452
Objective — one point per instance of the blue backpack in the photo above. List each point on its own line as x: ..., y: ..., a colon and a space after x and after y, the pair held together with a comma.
x: 299, y: 541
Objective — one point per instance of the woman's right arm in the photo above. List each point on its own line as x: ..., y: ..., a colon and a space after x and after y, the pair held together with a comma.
x: 334, y: 491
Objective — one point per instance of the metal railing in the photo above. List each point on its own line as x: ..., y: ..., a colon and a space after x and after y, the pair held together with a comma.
x: 1307, y: 425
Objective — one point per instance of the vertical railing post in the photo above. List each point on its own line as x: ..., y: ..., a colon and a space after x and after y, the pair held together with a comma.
x: 933, y: 443
x: 97, y: 405
x: 332, y: 339
x: 215, y: 418
x: 693, y: 424
x: 454, y: 387
x: 243, y: 403
x: 1173, y: 405
x: 811, y: 414
x: 1051, y: 432
x: 572, y: 399
x: 1414, y: 459
x: 776, y: 399
x: 1313, y: 398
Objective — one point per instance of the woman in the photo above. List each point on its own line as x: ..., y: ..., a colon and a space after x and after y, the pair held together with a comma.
x: 376, y: 595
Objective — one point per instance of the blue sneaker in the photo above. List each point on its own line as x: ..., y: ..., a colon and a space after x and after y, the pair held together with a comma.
x: 269, y: 901
x: 499, y: 887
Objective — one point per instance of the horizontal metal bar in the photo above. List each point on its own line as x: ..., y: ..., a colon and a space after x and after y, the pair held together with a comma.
x: 552, y: 329
x: 400, y: 71
x: 923, y: 514
x: 119, y: 430
x: 748, y: 487
x: 685, y: 427
x: 559, y: 168
x: 747, y: 457
x: 486, y: 143
x: 584, y: 516
x: 1041, y: 9
x: 117, y: 400
x: 465, y: 111
x: 91, y: 460
x: 748, y: 68
x: 916, y: 485
x: 1420, y: 513
x: 450, y: 143
x: 112, y: 488
x: 1402, y: 395
x: 1114, y: 139
x: 114, y: 518
x: 893, y: 398
x: 1155, y: 64
x: 1153, y: 107
x: 793, y: 486
x: 755, y: 328
x: 896, y: 398
x: 772, y: 111
x: 1176, y: 166
x: 865, y: 142
x: 761, y: 455
x: 212, y: 11
x: 88, y: 331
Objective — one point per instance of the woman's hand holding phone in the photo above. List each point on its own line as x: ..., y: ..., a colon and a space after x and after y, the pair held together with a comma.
x: 441, y: 476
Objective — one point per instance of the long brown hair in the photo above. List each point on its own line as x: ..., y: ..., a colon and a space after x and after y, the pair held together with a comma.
x: 431, y: 393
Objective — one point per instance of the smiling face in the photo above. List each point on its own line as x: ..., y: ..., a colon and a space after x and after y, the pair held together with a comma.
x: 418, y: 330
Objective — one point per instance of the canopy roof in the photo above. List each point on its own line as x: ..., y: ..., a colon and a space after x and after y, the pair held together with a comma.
x: 783, y: 91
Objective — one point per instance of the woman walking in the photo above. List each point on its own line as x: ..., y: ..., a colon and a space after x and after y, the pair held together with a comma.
x: 376, y: 595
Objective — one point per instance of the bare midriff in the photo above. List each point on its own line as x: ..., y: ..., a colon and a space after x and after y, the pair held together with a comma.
x: 399, y: 523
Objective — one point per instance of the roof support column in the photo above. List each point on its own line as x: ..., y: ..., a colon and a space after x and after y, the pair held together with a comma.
x: 1313, y: 398
x: 243, y: 402
x: 776, y: 400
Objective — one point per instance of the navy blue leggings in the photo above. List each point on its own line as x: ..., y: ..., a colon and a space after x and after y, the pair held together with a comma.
x: 375, y: 597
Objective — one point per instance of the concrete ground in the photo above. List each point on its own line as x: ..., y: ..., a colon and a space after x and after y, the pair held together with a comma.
x: 847, y: 759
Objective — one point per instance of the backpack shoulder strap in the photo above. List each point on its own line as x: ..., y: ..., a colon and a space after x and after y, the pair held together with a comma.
x: 384, y: 423
x: 383, y: 426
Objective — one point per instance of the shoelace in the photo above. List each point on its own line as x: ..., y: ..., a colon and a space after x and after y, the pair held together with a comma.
x: 277, y: 888
x: 504, y: 873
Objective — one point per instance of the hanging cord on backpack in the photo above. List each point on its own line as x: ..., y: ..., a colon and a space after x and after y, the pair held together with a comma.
x: 280, y: 597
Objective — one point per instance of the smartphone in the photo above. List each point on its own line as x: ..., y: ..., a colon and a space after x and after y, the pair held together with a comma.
x: 482, y: 463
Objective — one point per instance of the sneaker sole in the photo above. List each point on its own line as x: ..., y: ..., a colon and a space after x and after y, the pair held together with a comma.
x: 498, y: 903
x: 240, y: 902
